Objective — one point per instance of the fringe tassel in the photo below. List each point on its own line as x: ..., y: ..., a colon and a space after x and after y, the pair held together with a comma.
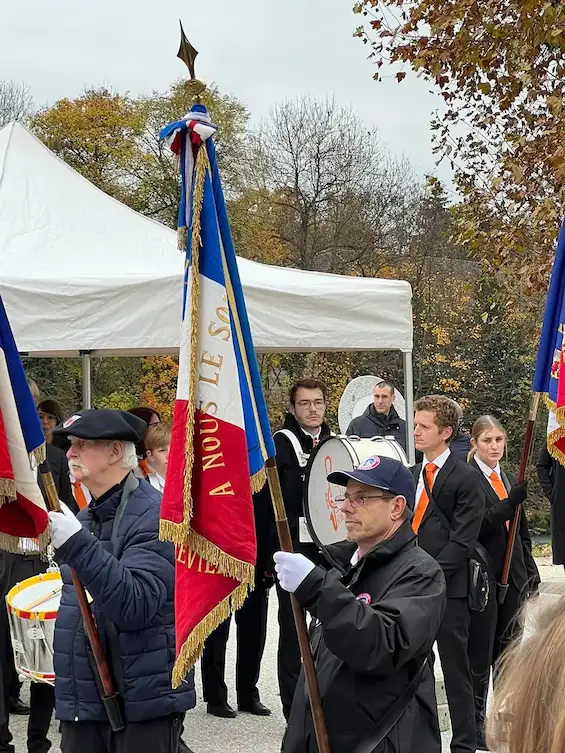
x: 227, y: 565
x: 192, y: 648
x: 182, y: 238
x: 258, y: 481
x: 198, y: 197
x: 175, y: 532
x: 7, y: 490
x: 13, y: 543
x: 556, y: 434
x: 40, y: 454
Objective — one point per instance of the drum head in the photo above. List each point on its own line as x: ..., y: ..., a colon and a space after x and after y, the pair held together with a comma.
x: 325, y: 521
x: 323, y: 518
x: 23, y: 597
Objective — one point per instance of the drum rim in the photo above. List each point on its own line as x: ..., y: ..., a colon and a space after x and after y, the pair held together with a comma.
x: 305, y: 508
x: 24, y: 614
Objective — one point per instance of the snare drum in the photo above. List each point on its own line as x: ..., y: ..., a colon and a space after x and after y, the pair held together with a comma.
x: 324, y: 520
x: 32, y: 611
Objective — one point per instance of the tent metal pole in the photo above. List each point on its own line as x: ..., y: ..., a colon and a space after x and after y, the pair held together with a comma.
x: 86, y: 379
x: 409, y: 401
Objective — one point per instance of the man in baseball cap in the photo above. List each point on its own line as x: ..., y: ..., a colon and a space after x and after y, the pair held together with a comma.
x: 114, y: 547
x: 376, y: 621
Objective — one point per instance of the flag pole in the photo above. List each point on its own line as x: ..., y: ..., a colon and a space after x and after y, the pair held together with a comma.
x: 187, y: 53
x: 285, y: 540
x: 110, y: 697
x: 524, y: 460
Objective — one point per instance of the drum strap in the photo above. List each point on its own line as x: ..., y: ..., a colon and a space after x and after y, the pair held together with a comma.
x: 130, y: 486
x: 111, y: 632
x: 301, y: 456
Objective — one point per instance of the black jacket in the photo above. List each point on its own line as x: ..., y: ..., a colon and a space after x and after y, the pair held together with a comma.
x: 59, y: 468
x: 524, y: 573
x: 458, y: 492
x: 373, y: 424
x: 374, y: 628
x: 292, y: 484
x: 551, y: 475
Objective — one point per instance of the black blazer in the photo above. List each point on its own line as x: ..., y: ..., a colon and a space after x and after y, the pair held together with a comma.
x: 458, y: 492
x: 524, y: 573
x: 59, y: 468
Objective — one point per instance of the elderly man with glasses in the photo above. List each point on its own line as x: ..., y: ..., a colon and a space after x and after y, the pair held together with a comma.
x: 375, y: 617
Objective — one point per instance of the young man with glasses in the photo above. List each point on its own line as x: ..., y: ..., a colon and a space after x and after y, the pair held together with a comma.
x: 303, y: 429
x: 375, y: 621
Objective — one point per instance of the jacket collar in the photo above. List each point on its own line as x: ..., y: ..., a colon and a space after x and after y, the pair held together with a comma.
x: 341, y: 554
x: 380, y: 419
x: 306, y: 441
x: 104, y: 508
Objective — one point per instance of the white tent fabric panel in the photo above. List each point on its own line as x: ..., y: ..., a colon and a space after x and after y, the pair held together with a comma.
x: 80, y: 271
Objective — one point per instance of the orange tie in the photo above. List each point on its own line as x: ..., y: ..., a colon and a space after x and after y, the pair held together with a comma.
x: 424, y: 501
x: 500, y: 490
x: 78, y: 494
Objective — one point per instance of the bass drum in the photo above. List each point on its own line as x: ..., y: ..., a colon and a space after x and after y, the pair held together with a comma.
x: 324, y: 519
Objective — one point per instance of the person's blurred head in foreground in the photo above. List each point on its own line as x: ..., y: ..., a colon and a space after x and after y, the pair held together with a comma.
x: 528, y: 711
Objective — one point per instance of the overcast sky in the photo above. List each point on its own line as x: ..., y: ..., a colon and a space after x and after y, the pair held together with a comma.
x: 262, y: 51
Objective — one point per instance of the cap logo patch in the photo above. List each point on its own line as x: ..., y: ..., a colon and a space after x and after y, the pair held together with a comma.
x: 370, y: 463
x: 70, y: 421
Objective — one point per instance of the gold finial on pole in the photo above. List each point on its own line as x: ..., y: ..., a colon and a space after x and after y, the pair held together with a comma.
x: 187, y: 53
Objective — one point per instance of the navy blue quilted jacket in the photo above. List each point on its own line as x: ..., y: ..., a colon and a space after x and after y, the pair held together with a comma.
x: 133, y: 601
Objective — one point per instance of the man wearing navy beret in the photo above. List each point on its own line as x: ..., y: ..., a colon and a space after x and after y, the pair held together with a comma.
x: 114, y: 547
x: 375, y: 616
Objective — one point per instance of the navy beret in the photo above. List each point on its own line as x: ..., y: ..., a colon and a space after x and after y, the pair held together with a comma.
x: 103, y: 424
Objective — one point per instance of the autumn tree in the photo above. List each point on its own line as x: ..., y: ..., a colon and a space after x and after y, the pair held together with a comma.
x: 329, y: 185
x: 95, y: 134
x: 499, y: 68
x: 16, y: 102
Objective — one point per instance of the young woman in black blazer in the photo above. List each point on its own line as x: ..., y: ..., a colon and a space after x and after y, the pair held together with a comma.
x: 492, y: 630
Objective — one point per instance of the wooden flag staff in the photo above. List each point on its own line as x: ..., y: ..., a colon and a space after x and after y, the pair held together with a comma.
x: 110, y: 698
x: 526, y: 452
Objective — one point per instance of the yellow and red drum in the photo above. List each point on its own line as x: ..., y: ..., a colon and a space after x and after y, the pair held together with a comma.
x: 32, y: 610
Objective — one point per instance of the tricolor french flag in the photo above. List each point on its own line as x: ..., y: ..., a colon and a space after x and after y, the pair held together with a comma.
x: 23, y: 515
x: 221, y: 435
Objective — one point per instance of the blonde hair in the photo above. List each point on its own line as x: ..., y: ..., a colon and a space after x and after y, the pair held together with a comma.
x: 157, y: 436
x: 528, y: 713
x: 482, y: 424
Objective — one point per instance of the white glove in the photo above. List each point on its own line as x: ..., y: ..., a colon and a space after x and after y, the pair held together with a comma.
x: 292, y: 569
x: 63, y: 525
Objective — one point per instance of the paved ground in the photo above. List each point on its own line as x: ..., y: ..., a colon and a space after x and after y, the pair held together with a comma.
x: 247, y: 734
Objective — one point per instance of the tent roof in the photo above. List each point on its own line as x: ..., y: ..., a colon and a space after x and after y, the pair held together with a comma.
x: 80, y: 271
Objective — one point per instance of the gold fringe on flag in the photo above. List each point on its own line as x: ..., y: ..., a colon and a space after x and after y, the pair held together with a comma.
x: 13, y: 543
x: 192, y: 648
x: 182, y: 238
x: 7, y: 490
x: 556, y: 434
x: 258, y: 481
x: 169, y: 530
x: 39, y: 454
x: 225, y: 564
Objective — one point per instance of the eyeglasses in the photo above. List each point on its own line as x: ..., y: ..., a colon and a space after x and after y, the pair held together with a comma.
x: 359, y: 499
x: 307, y: 403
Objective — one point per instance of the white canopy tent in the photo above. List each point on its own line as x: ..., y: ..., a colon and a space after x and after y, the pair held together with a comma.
x: 81, y: 273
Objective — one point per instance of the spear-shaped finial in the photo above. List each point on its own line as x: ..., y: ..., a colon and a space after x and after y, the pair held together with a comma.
x: 187, y: 53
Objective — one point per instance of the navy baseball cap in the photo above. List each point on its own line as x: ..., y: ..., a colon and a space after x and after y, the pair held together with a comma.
x: 382, y: 473
x: 102, y: 424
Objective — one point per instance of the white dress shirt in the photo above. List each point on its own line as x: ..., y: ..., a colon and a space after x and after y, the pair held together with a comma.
x: 439, y: 462
x: 315, y: 437
x: 156, y: 481
x: 487, y: 471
